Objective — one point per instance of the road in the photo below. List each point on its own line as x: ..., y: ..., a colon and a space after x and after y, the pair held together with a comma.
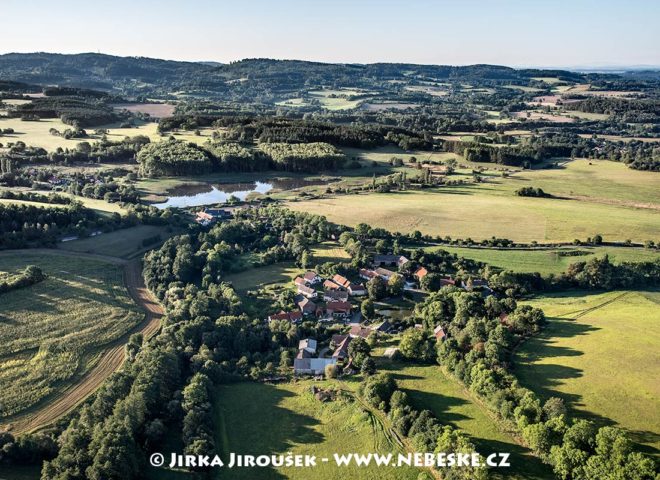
x: 110, y: 360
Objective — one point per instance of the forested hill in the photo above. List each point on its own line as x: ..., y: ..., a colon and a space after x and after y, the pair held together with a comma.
x: 139, y: 75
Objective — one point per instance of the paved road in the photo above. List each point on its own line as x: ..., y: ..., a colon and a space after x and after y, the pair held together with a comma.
x: 110, y: 360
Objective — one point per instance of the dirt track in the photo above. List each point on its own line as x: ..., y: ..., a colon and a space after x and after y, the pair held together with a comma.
x: 111, y: 359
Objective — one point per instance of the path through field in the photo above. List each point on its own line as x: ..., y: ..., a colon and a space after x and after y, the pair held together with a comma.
x: 110, y: 360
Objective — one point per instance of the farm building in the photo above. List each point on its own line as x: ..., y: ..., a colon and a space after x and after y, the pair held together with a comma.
x: 308, y: 344
x: 367, y: 274
x: 341, y: 281
x: 335, y: 296
x: 384, y: 273
x: 312, y: 278
x: 312, y: 366
x: 338, y: 309
x: 390, y: 261
x: 306, y: 291
x: 357, y: 289
x: 330, y: 285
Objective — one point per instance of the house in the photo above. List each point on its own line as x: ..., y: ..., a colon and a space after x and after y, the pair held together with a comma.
x: 302, y: 353
x: 330, y: 285
x: 439, y: 333
x: 294, y: 317
x: 336, y: 340
x: 367, y: 274
x: 383, y: 327
x: 219, y: 213
x: 306, y: 306
x: 312, y: 366
x: 357, y: 289
x: 204, y: 219
x: 420, y: 273
x: 341, y: 281
x: 338, y: 309
x: 341, y: 352
x: 390, y: 261
x: 384, y: 273
x: 308, y: 344
x: 358, y: 330
x: 335, y: 296
x: 307, y: 291
x: 299, y: 281
x: 312, y: 278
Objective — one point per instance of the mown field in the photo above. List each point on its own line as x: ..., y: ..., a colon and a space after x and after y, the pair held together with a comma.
x: 122, y: 243
x: 600, y: 353
x: 428, y: 388
x: 266, y: 419
x: 551, y: 260
x: 605, y: 198
x: 52, y: 331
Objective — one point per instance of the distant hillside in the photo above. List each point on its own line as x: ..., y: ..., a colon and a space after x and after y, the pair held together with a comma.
x: 261, y: 77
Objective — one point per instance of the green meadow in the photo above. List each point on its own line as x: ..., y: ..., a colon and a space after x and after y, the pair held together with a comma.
x: 599, y: 352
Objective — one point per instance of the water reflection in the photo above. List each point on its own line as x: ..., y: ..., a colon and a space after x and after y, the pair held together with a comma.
x: 194, y: 195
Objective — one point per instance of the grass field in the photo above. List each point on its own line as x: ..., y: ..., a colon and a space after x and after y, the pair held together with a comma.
x: 600, y: 352
x: 605, y: 198
x: 120, y: 243
x: 330, y: 252
x: 265, y: 419
x: 52, y: 331
x: 260, y: 277
x: 549, y: 261
x: 428, y: 388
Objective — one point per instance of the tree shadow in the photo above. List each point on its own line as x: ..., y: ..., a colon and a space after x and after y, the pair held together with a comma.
x: 250, y: 420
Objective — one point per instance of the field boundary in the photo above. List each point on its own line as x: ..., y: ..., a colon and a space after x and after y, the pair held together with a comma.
x: 110, y: 360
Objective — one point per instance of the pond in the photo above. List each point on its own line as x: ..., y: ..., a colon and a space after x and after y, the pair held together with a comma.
x: 195, y: 195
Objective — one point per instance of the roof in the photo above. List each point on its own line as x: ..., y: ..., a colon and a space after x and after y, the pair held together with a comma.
x: 339, y: 306
x: 382, y: 327
x: 383, y: 272
x: 316, y: 365
x: 336, y: 295
x: 307, y: 305
x: 341, y: 280
x: 331, y: 285
x: 358, y: 330
x: 291, y: 316
x: 305, y: 289
x: 342, y: 349
x: 299, y: 281
x: 303, y: 353
x: 307, y: 343
x: 309, y: 276
x: 204, y: 216
x: 338, y: 338
x: 398, y: 259
x: 439, y: 332
x: 421, y: 272
x: 356, y: 287
x: 364, y: 272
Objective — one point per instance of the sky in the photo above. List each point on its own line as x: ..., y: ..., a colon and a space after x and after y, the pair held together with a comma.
x: 545, y: 33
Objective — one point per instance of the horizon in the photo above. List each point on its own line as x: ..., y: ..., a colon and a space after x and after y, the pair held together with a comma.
x: 579, y: 35
x: 571, y: 68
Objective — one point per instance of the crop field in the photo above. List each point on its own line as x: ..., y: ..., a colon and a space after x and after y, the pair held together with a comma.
x: 550, y: 261
x: 54, y: 330
x: 599, y: 352
x: 277, y: 419
x: 122, y: 243
x: 429, y: 388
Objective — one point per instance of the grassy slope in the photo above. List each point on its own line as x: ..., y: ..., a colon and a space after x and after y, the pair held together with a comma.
x: 600, y: 352
x: 82, y: 305
x: 428, y: 388
x: 549, y: 261
x: 265, y: 419
x: 120, y: 243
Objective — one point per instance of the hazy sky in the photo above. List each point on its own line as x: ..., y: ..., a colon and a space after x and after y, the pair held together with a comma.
x: 508, y: 32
